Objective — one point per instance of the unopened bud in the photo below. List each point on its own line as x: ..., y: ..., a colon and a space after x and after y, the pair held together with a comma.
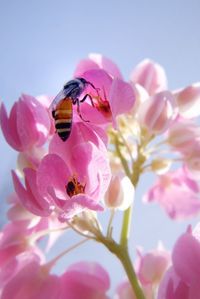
x: 120, y: 193
x: 188, y: 100
x: 150, y: 75
x: 160, y: 166
x: 157, y: 112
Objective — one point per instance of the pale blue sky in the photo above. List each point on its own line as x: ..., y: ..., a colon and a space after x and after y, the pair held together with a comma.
x: 41, y: 42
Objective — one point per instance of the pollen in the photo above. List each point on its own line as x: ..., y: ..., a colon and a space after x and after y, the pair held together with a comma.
x: 74, y: 187
x: 102, y: 105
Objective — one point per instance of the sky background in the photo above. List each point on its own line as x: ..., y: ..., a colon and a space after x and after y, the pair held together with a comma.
x: 42, y: 41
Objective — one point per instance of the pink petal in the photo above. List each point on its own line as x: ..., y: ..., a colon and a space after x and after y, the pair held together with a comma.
x: 81, y: 132
x: 31, y: 183
x: 172, y: 287
x: 150, y: 75
x: 77, y: 204
x: 25, y: 124
x: 95, y: 163
x: 157, y: 112
x: 124, y: 291
x: 186, y: 258
x: 85, y: 280
x: 41, y: 117
x: 30, y: 282
x: 177, y: 193
x: 92, y: 115
x: 188, y: 100
x: 9, y: 127
x: 152, y: 266
x: 27, y: 199
x: 106, y: 64
x: 85, y: 65
x: 53, y: 172
x: 100, y: 79
x: 49, y: 288
x: 91, y: 275
x: 121, y: 97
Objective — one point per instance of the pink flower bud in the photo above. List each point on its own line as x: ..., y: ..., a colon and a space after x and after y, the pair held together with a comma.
x: 157, y: 112
x: 28, y: 124
x: 150, y: 75
x: 120, y: 193
x: 193, y: 164
x: 182, y: 279
x: 188, y: 100
x: 152, y: 266
x: 184, y: 136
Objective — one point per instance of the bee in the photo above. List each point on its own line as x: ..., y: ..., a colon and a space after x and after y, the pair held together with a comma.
x: 62, y: 105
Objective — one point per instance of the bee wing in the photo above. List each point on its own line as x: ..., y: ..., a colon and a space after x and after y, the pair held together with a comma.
x: 60, y: 96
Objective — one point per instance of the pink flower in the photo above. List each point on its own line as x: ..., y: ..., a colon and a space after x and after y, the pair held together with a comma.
x: 150, y: 75
x: 29, y: 195
x: 125, y: 291
x: 192, y: 163
x: 24, y: 277
x: 86, y: 281
x: 81, y: 132
x: 13, y: 241
x: 157, y: 112
x: 177, y: 193
x: 188, y: 100
x: 184, y: 136
x: 182, y: 279
x: 115, y: 97
x: 28, y: 124
x: 152, y: 265
x: 95, y: 62
x: 77, y: 182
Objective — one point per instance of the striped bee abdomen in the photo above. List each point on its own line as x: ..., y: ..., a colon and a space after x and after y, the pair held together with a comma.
x: 63, y: 118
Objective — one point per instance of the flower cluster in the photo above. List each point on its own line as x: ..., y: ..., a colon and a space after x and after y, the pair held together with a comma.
x: 116, y: 131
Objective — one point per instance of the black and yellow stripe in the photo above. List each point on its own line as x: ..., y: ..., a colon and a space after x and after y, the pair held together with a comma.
x: 63, y: 118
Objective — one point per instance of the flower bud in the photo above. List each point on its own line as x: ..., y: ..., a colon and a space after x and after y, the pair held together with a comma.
x: 87, y: 222
x: 193, y: 164
x: 150, y: 75
x: 184, y: 136
x: 28, y: 124
x: 120, y: 193
x: 152, y: 265
x: 157, y: 112
x: 141, y: 95
x: 188, y: 100
x: 160, y: 166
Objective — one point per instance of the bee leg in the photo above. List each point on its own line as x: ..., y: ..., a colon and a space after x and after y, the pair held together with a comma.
x: 85, y: 97
x: 79, y: 112
x: 96, y: 88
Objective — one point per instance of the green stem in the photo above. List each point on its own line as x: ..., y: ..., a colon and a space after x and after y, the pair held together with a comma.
x: 122, y: 254
x: 51, y: 263
x: 122, y: 159
x: 125, y: 232
x: 128, y: 267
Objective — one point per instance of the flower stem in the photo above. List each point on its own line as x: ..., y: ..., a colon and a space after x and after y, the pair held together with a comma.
x: 51, y: 263
x: 125, y: 259
x: 125, y: 232
x: 121, y: 251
